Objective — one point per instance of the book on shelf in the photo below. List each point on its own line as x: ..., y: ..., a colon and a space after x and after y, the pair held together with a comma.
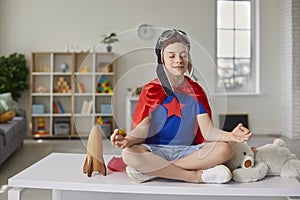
x: 84, y: 107
x: 58, y: 107
x: 55, y: 107
x: 90, y: 107
x: 80, y: 87
x: 87, y: 107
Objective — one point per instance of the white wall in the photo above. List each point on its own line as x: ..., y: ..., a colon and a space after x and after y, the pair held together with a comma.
x: 43, y: 25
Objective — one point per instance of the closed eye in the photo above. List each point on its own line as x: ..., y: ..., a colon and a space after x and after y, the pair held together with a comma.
x: 183, y: 55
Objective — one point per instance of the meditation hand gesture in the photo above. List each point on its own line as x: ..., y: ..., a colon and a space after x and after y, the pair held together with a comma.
x: 240, y: 133
x: 118, y: 139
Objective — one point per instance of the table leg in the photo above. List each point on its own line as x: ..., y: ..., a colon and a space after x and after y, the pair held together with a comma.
x: 56, y: 195
x: 14, y: 193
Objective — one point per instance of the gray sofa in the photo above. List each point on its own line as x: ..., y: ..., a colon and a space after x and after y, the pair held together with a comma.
x: 12, y: 135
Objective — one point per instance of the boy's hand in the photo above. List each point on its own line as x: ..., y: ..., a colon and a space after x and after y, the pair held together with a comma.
x: 240, y: 133
x: 118, y: 139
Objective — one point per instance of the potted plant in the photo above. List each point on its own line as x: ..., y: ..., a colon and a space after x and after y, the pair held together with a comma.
x: 13, y: 74
x: 108, y: 40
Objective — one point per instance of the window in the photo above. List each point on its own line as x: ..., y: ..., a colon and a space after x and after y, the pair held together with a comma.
x: 236, y: 47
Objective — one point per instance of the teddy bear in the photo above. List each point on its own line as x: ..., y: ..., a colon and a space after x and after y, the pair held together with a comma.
x: 253, y: 164
x: 7, y: 116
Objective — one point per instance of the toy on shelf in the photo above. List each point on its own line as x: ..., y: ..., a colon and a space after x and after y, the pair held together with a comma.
x: 43, y: 69
x: 104, y: 67
x: 94, y: 160
x: 103, y: 86
x: 105, y: 125
x: 62, y: 86
x: 84, y: 70
x: 102, y: 120
x: 64, y: 67
x: 41, y: 126
x: 41, y: 89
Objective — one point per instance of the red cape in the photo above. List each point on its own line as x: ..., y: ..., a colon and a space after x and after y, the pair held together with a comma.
x: 153, y: 95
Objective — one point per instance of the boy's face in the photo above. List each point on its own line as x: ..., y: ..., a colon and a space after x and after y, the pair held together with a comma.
x: 175, y: 58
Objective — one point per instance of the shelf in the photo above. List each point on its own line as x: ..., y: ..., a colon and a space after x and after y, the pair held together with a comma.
x: 70, y: 89
x: 83, y: 94
x: 83, y: 115
x: 95, y: 73
x: 36, y: 135
x: 62, y: 74
x: 134, y: 98
x: 41, y: 73
x: 41, y: 94
x: 62, y: 94
x: 84, y: 74
x: 131, y: 102
x: 104, y: 94
x: 41, y: 115
x: 104, y: 73
x: 61, y: 114
x: 104, y: 114
x: 45, y: 136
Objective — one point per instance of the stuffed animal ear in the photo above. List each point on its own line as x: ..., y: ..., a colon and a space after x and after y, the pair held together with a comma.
x: 247, y: 162
x: 254, y: 150
x: 279, y: 142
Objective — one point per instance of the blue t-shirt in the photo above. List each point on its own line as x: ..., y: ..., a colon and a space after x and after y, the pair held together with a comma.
x: 174, y: 122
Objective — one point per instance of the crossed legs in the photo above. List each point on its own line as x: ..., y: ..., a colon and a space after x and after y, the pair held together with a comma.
x: 187, y: 169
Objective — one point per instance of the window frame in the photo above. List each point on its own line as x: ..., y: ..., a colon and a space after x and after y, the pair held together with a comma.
x: 254, y: 53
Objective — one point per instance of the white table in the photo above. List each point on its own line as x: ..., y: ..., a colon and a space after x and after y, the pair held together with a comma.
x: 62, y: 173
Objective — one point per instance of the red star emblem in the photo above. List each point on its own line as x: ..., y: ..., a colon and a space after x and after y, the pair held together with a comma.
x: 174, y: 108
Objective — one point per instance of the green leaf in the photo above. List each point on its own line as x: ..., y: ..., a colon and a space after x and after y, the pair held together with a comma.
x: 13, y: 74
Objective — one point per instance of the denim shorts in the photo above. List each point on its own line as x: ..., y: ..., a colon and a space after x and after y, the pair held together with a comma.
x: 172, y: 152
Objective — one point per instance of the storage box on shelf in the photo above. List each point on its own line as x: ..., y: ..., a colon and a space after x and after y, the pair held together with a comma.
x: 68, y: 90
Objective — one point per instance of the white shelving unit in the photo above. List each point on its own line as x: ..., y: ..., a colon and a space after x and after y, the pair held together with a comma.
x: 131, y: 102
x: 84, y: 68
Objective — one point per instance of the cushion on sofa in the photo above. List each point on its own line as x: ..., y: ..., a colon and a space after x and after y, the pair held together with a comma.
x: 11, y: 129
x: 7, y: 103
